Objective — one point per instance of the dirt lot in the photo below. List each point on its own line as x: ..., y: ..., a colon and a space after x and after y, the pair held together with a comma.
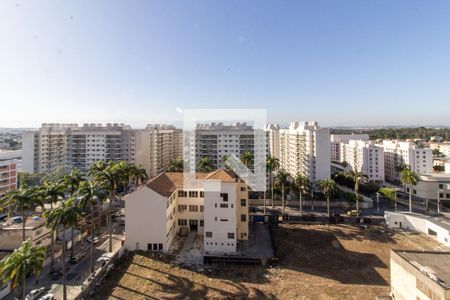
x: 316, y: 262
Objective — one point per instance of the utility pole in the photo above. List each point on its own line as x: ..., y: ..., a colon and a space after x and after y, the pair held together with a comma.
x: 378, y: 202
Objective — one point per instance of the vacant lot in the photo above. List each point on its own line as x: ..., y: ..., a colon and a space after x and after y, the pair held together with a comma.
x: 316, y: 262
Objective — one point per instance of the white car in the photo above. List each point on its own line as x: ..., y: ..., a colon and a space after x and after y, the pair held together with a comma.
x: 47, y: 297
x: 34, y: 294
x: 89, y: 239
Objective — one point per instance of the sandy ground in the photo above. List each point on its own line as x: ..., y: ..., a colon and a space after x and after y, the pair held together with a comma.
x: 316, y: 262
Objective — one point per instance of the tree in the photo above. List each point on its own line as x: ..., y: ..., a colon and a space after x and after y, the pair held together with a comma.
x: 22, y: 261
x: 139, y: 174
x: 357, y: 177
x: 51, y: 193
x: 436, y: 152
x: 176, y: 165
x: 301, y: 184
x: 64, y: 216
x: 110, y: 179
x: 328, y: 187
x: 247, y: 159
x: 205, y: 164
x: 272, y: 165
x: 72, y: 182
x: 25, y: 179
x: 409, y: 177
x: 23, y: 200
x: 96, y: 168
x: 88, y: 194
x: 282, y: 179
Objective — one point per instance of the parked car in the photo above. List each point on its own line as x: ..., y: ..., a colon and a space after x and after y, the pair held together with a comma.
x: 89, y: 239
x: 48, y: 296
x: 56, y: 275
x: 34, y: 294
x: 17, y: 219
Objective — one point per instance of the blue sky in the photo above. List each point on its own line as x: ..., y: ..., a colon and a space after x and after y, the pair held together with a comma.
x: 339, y: 62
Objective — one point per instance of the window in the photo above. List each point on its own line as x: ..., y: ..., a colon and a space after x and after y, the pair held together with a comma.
x: 193, y: 194
x: 180, y: 193
x: 193, y: 208
x: 441, y: 186
x: 182, y: 222
x: 243, y: 202
x: 224, y: 220
x: 223, y: 205
x: 202, y: 208
x: 155, y: 247
x: 160, y: 247
x: 202, y: 194
x: 243, y: 218
x: 224, y: 196
x: 182, y: 207
x: 447, y: 196
x: 231, y: 235
x: 208, y: 234
x: 243, y: 189
x: 202, y: 223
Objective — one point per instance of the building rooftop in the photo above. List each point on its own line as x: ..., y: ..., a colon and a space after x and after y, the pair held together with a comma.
x: 166, y: 183
x: 433, y: 264
x: 439, y: 221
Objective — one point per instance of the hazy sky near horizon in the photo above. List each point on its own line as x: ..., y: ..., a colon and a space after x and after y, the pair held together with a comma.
x: 373, y: 62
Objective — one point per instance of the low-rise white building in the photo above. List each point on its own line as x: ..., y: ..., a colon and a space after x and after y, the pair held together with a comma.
x: 35, y: 231
x: 444, y: 148
x: 432, y: 185
x: 437, y: 228
x: 420, y: 275
x: 215, y: 206
x: 337, y: 139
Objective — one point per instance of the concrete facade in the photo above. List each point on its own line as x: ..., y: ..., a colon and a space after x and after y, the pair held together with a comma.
x: 35, y: 231
x: 156, y: 146
x: 420, y: 275
x: 337, y: 139
x: 305, y: 149
x: 216, y: 207
x: 67, y: 146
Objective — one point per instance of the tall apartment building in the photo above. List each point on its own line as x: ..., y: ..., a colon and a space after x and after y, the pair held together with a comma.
x: 273, y: 140
x: 337, y: 139
x: 444, y: 148
x: 66, y: 146
x: 8, y: 173
x: 397, y: 153
x: 365, y: 157
x: 156, y: 146
x: 217, y: 140
x: 305, y: 149
x: 215, y: 206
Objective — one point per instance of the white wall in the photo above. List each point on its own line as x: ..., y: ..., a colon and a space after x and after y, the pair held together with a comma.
x: 28, y: 151
x: 145, y: 219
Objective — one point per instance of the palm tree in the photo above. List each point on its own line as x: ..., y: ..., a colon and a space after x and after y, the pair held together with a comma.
x: 409, y: 177
x: 358, y: 177
x: 62, y: 217
x: 272, y: 164
x: 328, y: 187
x: 24, y: 260
x: 282, y: 179
x: 97, y: 168
x: 72, y: 182
x: 110, y: 179
x: 176, y: 165
x: 88, y: 194
x: 205, y: 164
x: 247, y: 159
x: 301, y: 184
x: 139, y: 174
x: 23, y: 200
x: 51, y: 193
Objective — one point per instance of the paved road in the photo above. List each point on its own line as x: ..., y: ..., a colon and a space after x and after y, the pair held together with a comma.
x: 77, y: 273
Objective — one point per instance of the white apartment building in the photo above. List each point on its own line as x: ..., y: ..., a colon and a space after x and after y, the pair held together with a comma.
x: 217, y: 140
x: 8, y: 174
x: 397, y: 153
x: 56, y: 146
x: 365, y: 157
x: 156, y: 146
x: 305, y: 149
x: 444, y: 148
x: 337, y: 139
x: 273, y: 140
x: 215, y: 206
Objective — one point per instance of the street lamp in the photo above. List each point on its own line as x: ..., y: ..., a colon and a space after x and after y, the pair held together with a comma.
x: 378, y: 202
x: 439, y: 200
